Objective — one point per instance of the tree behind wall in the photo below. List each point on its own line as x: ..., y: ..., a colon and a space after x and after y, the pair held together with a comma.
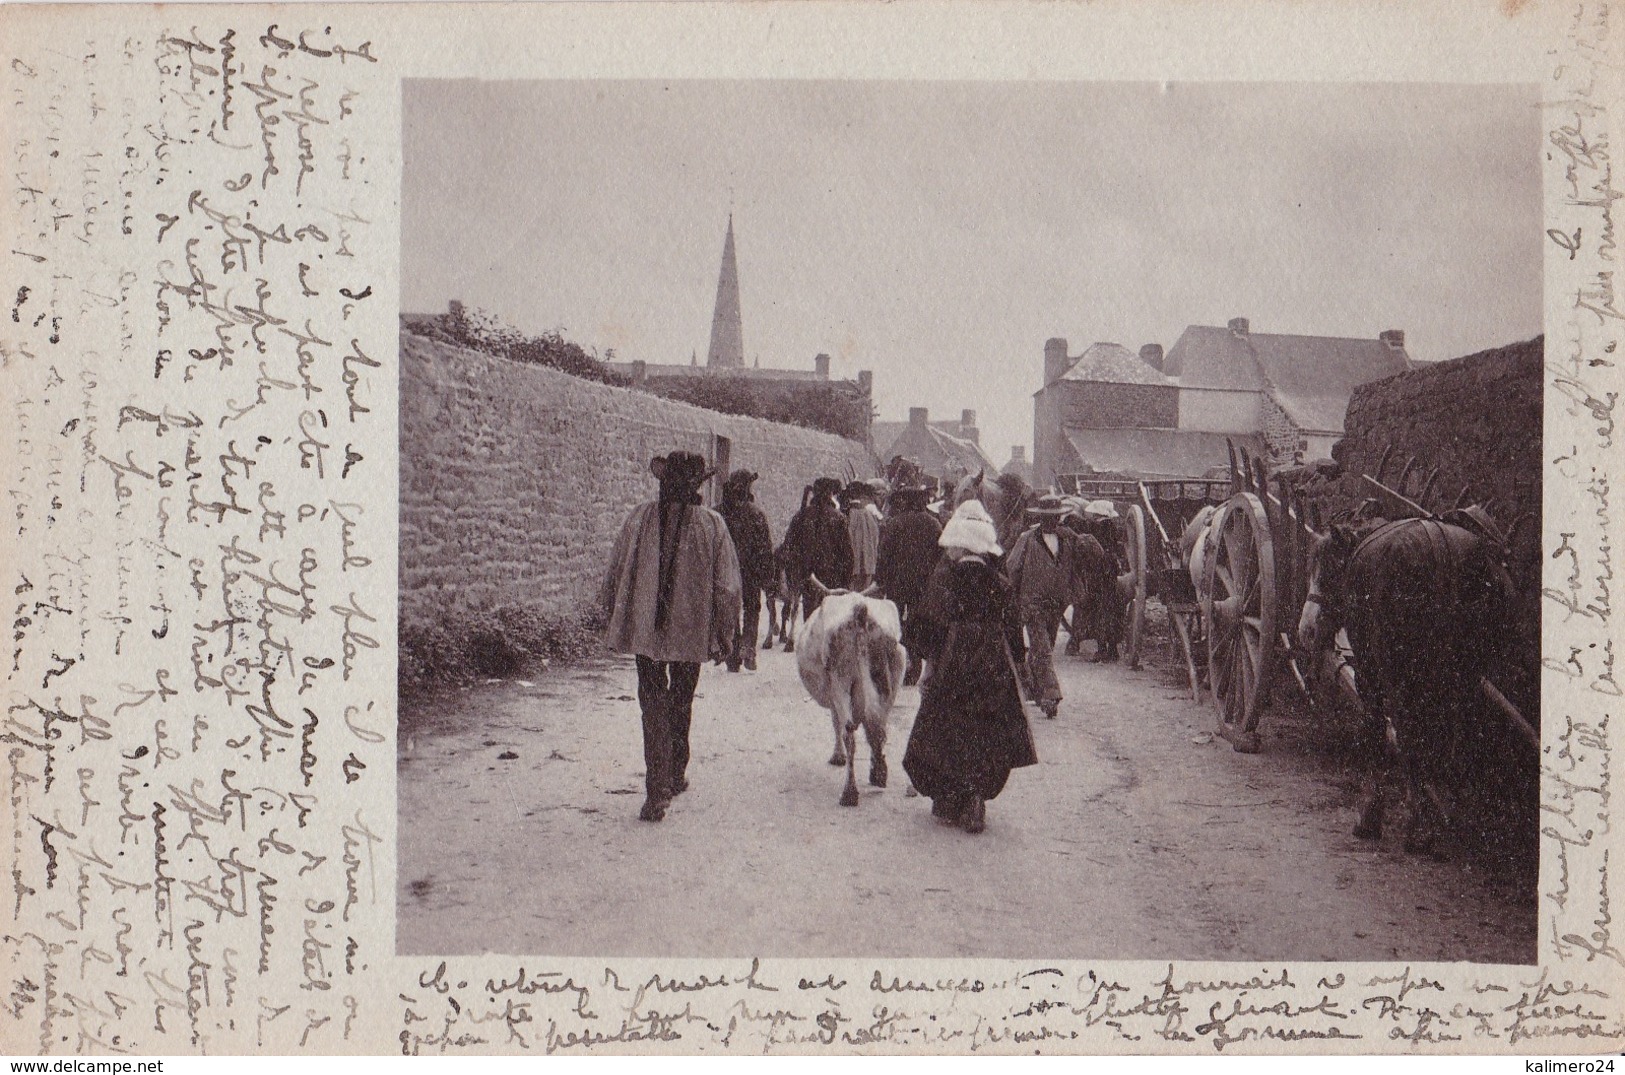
x: 831, y: 407
x: 837, y: 407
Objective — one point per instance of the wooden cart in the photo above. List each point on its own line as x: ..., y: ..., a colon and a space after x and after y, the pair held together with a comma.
x: 1255, y: 582
x: 1152, y: 515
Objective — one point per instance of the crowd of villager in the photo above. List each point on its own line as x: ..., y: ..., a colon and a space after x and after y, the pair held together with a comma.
x: 963, y: 595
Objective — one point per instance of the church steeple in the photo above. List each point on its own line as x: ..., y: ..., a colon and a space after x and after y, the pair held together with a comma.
x: 727, y: 335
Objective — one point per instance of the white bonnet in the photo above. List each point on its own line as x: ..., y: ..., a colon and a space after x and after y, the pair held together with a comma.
x: 971, y: 529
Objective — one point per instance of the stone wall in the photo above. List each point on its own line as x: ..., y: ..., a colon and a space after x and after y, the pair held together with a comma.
x: 1281, y: 436
x: 514, y: 479
x: 1109, y: 405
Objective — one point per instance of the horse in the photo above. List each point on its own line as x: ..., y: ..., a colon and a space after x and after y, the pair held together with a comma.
x: 1006, y: 499
x: 780, y: 607
x: 1424, y: 602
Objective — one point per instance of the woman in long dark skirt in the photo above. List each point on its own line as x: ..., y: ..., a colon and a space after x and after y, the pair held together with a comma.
x: 971, y: 729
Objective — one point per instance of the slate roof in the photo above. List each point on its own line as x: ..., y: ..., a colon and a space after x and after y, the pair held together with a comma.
x: 1309, y: 377
x: 1112, y: 362
x: 1312, y: 377
x: 1155, y: 453
x: 937, y: 451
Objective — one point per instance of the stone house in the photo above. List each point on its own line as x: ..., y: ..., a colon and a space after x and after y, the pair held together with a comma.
x: 1109, y: 411
x: 946, y: 449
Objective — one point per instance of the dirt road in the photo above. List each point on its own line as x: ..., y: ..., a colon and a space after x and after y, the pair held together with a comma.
x: 1136, y: 836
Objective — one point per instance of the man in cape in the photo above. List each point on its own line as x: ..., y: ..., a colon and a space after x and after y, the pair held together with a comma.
x: 672, y: 595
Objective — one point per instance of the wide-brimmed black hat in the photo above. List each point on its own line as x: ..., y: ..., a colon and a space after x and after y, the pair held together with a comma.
x: 858, y: 489
x: 740, y: 480
x: 826, y: 487
x: 911, y: 494
x: 1049, y: 505
x: 680, y: 468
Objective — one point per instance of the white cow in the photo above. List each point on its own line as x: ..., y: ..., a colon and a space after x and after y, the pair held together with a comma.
x: 851, y: 659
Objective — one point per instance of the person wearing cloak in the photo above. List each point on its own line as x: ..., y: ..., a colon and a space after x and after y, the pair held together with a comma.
x: 863, y: 532
x: 971, y: 729
x: 671, y: 595
x: 817, y: 543
x: 753, y: 543
x: 907, y: 553
x: 1044, y: 567
x: 1098, y: 607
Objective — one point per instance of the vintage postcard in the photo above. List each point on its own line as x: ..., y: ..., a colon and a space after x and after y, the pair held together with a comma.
x: 811, y: 528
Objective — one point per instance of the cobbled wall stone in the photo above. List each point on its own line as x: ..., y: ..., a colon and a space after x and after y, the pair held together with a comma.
x: 515, y: 479
x: 1478, y: 420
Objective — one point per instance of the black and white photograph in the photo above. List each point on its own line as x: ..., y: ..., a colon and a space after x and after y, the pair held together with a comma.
x: 777, y: 529
x: 970, y: 519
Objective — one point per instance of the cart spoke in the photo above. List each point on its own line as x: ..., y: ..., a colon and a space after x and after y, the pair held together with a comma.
x: 1253, y: 654
x: 1239, y: 541
x: 1247, y: 684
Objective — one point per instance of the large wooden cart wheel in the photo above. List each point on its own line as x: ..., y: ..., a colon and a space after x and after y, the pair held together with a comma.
x: 1238, y: 605
x: 1131, y: 586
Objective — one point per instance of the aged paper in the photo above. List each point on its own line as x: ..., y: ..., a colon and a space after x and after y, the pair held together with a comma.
x: 202, y: 250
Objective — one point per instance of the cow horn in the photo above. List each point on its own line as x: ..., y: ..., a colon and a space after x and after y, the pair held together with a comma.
x: 870, y: 590
x: 817, y: 586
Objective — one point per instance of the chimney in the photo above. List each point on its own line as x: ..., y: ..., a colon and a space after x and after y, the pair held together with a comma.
x: 1238, y: 325
x: 1054, y: 360
x: 967, y: 419
x: 1394, y: 338
x: 821, y: 367
x: 1151, y: 355
x: 866, y: 382
x: 1018, y: 453
x: 918, y: 416
x: 455, y: 308
x: 640, y: 371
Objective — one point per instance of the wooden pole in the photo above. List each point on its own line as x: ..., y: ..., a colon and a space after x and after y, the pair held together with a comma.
x: 1190, y: 659
x: 1510, y: 712
x: 1395, y: 494
x: 1145, y: 497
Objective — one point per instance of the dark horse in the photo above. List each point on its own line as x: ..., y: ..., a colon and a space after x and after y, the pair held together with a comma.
x: 1425, y: 603
x: 1006, y: 498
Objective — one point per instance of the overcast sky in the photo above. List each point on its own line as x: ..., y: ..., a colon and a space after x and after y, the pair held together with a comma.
x: 939, y: 233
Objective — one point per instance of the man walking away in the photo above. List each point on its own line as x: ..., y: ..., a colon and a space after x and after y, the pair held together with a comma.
x: 1043, y: 566
x: 753, y: 543
x: 1100, y: 612
x: 863, y: 531
x: 905, y: 558
x: 825, y: 547
x: 672, y: 597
